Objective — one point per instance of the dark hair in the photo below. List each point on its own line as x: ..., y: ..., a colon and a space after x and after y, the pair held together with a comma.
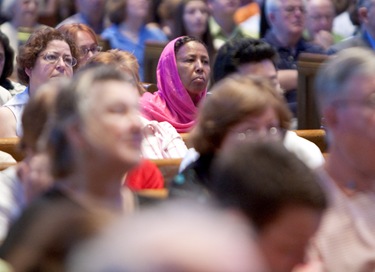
x: 261, y: 179
x: 184, y: 40
x: 180, y: 30
x: 241, y: 51
x: 8, y: 63
x: 37, y: 42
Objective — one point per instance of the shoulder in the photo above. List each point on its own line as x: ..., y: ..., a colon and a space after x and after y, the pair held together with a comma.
x: 7, y: 123
x: 348, y: 43
x: 305, y: 150
x: 153, y: 32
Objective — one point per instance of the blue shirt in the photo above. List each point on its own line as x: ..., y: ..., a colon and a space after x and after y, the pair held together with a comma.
x: 117, y: 40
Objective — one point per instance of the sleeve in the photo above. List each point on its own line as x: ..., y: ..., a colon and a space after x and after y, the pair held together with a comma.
x: 146, y: 176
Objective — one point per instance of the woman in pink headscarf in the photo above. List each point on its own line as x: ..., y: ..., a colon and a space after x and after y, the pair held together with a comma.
x: 182, y: 74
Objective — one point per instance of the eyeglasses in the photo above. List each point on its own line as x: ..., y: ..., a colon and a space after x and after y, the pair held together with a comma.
x: 53, y: 58
x: 272, y: 132
x: 94, y: 49
x: 292, y: 9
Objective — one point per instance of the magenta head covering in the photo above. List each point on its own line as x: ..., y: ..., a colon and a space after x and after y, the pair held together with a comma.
x: 172, y: 102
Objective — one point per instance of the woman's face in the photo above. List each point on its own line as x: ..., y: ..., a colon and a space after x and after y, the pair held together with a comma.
x: 2, y: 58
x: 87, y: 46
x: 265, y: 124
x: 195, y: 18
x: 45, y: 69
x: 111, y: 122
x: 193, y: 65
x: 137, y: 8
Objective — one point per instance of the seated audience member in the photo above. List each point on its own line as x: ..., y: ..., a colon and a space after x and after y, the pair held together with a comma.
x: 239, y: 106
x: 166, y: 15
x: 191, y: 19
x: 89, y: 12
x: 184, y: 236
x: 8, y: 88
x: 319, y: 23
x: 287, y: 22
x: 129, y: 30
x: 255, y: 57
x: 21, y: 14
x: 160, y: 139
x: 20, y: 184
x: 90, y: 145
x: 183, y: 73
x: 221, y: 23
x: 47, y: 55
x: 275, y: 191
x: 345, y: 95
x: 366, y: 36
x: 85, y: 38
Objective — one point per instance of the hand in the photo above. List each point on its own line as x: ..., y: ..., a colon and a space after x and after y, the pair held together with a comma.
x: 324, y: 39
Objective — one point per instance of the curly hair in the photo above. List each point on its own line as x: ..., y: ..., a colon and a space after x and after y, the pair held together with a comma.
x: 37, y: 42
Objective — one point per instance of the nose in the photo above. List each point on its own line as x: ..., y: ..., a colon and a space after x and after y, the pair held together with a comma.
x: 199, y: 66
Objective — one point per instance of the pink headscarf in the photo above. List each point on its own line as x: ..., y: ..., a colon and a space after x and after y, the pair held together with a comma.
x: 171, y: 102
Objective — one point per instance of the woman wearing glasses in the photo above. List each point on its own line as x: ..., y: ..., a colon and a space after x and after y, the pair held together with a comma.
x: 239, y: 108
x: 85, y: 38
x: 46, y: 55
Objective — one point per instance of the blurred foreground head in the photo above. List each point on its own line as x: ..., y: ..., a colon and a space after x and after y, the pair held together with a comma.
x: 172, y: 237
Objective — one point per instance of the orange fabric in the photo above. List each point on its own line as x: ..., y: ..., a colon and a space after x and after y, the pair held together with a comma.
x: 145, y: 176
x: 245, y: 12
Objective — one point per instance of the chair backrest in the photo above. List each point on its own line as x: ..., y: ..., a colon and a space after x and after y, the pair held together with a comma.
x: 10, y: 146
x: 168, y: 167
x: 317, y: 136
x: 307, y: 113
x: 152, y: 53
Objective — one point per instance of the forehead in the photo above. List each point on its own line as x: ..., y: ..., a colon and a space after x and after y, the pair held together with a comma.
x: 108, y: 91
x: 83, y: 36
x: 317, y: 5
x: 285, y: 3
x: 195, y: 4
x: 193, y: 47
x: 57, y: 45
x: 360, y: 86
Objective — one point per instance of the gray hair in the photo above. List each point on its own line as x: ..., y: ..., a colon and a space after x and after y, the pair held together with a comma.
x: 274, y: 5
x: 331, y: 80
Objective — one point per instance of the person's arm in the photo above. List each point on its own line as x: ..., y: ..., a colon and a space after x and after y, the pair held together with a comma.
x: 7, y: 123
x: 288, y: 79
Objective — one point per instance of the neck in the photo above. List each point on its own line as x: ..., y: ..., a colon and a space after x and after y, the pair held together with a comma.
x: 21, y: 22
x: 226, y: 24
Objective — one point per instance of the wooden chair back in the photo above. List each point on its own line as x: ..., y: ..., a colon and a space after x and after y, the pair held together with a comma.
x: 317, y: 136
x: 151, y: 58
x: 307, y: 113
x: 10, y: 146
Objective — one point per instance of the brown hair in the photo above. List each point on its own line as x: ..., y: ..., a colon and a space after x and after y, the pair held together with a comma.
x: 37, y: 42
x: 35, y: 114
x: 71, y: 31
x: 121, y: 60
x: 231, y: 100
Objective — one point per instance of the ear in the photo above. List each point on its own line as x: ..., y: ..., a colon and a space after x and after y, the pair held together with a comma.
x: 28, y: 71
x: 74, y: 134
x: 271, y: 17
x: 330, y: 119
x: 363, y: 14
